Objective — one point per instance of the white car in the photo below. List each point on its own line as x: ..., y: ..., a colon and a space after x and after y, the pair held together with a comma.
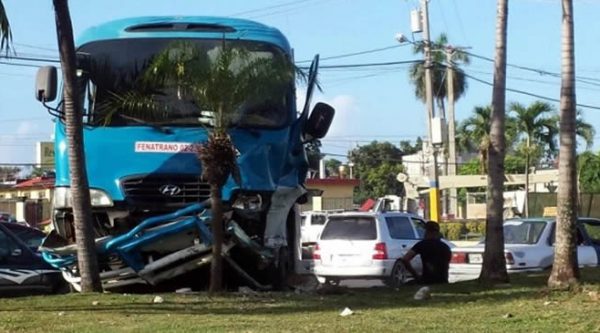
x: 528, y: 246
x: 311, y: 226
x: 358, y: 245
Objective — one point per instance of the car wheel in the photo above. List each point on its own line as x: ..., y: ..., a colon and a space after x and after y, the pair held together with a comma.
x: 399, y: 275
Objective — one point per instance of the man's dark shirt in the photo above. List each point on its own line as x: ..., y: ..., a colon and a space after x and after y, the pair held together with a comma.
x: 435, y: 256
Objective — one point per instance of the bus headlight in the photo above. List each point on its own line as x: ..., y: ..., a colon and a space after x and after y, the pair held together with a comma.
x: 63, y: 198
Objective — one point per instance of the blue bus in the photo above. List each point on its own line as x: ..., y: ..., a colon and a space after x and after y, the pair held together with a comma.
x: 147, y: 194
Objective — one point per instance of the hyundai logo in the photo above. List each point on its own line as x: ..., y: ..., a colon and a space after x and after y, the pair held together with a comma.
x: 170, y: 190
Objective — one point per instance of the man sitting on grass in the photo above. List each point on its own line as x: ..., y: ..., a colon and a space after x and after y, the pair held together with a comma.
x: 435, y: 256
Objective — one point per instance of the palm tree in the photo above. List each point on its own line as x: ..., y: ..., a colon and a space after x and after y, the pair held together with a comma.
x: 5, y: 33
x: 538, y: 126
x: 584, y: 130
x: 474, y: 134
x: 494, y: 263
x: 565, y: 269
x: 417, y: 72
x: 224, y: 83
x: 82, y: 208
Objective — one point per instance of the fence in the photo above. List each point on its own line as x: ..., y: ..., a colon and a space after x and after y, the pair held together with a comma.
x: 330, y: 204
x: 589, y: 203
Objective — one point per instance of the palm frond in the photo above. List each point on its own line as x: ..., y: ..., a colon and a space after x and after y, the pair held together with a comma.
x: 5, y: 31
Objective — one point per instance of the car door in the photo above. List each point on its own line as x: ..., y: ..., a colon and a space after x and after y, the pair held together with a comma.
x: 403, y: 237
x: 590, y: 230
x: 17, y: 265
x: 586, y: 254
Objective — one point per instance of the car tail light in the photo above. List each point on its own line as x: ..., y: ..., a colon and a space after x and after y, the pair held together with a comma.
x: 380, y: 252
x: 510, y: 260
x: 316, y: 254
x: 459, y: 258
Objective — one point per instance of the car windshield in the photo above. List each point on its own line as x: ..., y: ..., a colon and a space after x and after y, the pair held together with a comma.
x: 350, y: 228
x: 523, y: 232
x: 118, y: 86
x: 31, y: 237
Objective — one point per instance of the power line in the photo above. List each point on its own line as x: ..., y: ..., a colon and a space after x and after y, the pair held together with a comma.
x: 36, y: 59
x: 530, y: 94
x: 36, y: 47
x: 19, y: 64
x: 285, y: 4
x: 535, y: 70
x: 355, y: 53
x: 372, y: 64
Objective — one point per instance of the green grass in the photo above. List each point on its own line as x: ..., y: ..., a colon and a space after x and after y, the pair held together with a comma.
x: 461, y: 307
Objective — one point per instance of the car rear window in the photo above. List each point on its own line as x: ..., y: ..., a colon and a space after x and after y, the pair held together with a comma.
x: 350, y: 228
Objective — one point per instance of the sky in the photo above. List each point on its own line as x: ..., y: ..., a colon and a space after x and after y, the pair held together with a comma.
x: 372, y: 103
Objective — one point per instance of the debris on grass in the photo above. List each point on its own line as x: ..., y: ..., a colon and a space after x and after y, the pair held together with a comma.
x: 158, y: 300
x: 423, y: 294
x: 95, y: 303
x: 247, y: 291
x: 346, y: 312
x: 507, y: 315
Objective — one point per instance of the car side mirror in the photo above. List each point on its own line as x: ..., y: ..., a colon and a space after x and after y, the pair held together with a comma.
x: 319, y: 121
x: 45, y: 84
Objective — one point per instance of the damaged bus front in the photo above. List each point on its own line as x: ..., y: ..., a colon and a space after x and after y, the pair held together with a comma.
x: 149, y: 202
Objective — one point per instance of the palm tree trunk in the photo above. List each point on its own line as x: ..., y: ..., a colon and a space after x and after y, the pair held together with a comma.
x: 82, y: 209
x: 216, y: 267
x: 494, y: 263
x: 527, y: 178
x: 565, y: 270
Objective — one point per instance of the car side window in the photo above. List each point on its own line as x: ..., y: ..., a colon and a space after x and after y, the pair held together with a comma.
x: 318, y: 220
x: 419, y: 226
x: 7, y: 245
x: 592, y: 228
x: 400, y: 227
x: 580, y: 238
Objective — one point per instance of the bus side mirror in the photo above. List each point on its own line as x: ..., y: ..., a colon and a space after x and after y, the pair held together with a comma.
x: 319, y: 121
x: 45, y: 84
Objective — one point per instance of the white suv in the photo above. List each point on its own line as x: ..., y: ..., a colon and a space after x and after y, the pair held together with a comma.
x: 359, y: 245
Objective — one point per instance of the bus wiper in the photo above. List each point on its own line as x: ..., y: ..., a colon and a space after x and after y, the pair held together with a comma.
x: 143, y: 122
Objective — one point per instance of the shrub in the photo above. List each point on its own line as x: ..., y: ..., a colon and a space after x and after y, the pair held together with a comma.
x: 452, y: 230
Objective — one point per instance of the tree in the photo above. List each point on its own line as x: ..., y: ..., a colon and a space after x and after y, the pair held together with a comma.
x: 377, y: 165
x: 538, y: 126
x: 494, y: 263
x: 226, y: 83
x: 5, y: 32
x: 407, y: 148
x: 473, y: 134
x: 9, y: 173
x: 588, y: 165
x: 332, y: 167
x: 565, y: 269
x: 82, y: 208
x: 417, y: 72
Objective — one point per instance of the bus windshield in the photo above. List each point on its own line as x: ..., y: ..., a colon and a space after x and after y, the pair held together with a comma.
x: 115, y: 91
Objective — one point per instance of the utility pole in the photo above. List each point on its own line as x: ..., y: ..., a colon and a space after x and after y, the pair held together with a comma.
x: 434, y: 192
x: 453, y: 204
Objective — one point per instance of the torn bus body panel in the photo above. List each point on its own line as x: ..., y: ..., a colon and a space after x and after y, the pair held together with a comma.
x: 140, y: 256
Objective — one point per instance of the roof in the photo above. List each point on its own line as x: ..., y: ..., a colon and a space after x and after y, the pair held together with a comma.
x: 243, y: 30
x: 37, y: 182
x: 332, y: 182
